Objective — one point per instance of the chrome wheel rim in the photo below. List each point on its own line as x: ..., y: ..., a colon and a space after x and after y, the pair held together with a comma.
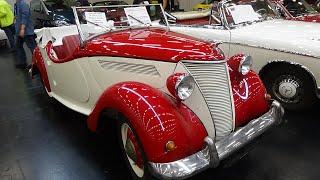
x: 288, y: 89
x: 133, y: 152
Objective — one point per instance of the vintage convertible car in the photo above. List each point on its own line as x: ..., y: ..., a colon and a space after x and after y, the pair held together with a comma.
x: 298, y: 10
x: 178, y: 105
x: 286, y: 52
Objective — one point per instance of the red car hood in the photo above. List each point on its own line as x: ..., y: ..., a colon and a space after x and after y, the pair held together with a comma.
x: 154, y: 44
x: 308, y: 18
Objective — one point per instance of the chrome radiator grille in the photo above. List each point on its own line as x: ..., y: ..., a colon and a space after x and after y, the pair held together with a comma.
x: 213, y: 81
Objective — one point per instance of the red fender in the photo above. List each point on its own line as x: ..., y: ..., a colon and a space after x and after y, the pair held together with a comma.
x: 38, y: 62
x: 156, y: 118
x: 249, y: 93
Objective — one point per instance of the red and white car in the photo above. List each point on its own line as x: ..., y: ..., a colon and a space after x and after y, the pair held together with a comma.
x: 181, y: 106
x: 297, y: 10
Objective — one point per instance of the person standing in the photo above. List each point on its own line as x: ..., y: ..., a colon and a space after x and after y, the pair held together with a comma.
x: 24, y: 31
x: 7, y: 22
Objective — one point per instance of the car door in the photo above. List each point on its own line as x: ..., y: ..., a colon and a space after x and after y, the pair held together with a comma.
x: 67, y: 77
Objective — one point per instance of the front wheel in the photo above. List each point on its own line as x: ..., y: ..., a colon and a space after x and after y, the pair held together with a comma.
x: 290, y: 85
x: 132, y: 151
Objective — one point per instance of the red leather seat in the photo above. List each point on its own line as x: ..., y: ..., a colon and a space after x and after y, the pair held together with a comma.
x: 69, y: 45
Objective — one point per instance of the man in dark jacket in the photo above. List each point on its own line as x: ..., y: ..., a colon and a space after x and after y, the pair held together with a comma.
x: 24, y: 31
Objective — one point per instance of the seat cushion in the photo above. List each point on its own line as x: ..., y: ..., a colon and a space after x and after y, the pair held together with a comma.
x: 68, y: 47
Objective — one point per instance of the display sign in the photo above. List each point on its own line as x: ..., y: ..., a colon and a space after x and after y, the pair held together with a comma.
x: 98, y: 18
x: 243, y: 13
x: 137, y: 15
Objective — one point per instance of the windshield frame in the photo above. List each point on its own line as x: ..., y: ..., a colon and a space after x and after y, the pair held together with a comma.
x: 84, y: 40
x: 306, y: 5
x: 222, y: 6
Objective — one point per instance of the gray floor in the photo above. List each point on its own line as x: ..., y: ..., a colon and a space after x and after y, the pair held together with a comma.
x: 41, y: 139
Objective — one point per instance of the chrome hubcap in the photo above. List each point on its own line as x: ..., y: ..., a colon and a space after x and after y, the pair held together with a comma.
x: 132, y: 150
x: 288, y: 89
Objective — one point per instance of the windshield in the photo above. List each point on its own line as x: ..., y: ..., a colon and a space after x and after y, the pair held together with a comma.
x: 298, y: 7
x: 243, y: 12
x: 59, y: 5
x: 108, y: 3
x: 93, y: 21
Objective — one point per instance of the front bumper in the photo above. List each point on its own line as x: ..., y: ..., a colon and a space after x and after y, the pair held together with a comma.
x: 215, y: 152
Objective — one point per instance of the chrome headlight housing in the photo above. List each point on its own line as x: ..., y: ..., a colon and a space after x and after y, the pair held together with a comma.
x: 245, y: 65
x: 184, y: 86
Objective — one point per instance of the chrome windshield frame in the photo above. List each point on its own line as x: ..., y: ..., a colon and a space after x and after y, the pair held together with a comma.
x: 222, y: 7
x: 83, y: 40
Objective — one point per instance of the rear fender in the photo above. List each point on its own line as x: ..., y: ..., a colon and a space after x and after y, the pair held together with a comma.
x: 156, y: 118
x: 39, y: 66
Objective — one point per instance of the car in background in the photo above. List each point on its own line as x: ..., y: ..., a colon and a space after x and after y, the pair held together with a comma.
x: 207, y: 4
x: 52, y: 13
x: 297, y: 10
x: 108, y: 3
x: 177, y: 104
x: 287, y: 53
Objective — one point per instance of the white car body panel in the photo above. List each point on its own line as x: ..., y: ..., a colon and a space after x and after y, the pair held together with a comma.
x: 293, y: 41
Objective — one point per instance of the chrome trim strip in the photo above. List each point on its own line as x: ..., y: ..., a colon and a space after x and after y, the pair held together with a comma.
x: 82, y: 39
x: 232, y: 99
x: 205, y: 62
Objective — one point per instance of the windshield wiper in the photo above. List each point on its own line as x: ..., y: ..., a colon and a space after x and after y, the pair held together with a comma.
x: 139, y: 21
x: 105, y: 28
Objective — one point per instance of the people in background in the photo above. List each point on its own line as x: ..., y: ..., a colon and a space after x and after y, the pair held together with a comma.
x: 7, y: 22
x: 83, y: 2
x: 164, y: 3
x: 24, y: 31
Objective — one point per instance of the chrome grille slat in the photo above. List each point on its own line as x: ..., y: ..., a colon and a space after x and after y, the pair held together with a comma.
x: 213, y: 81
x: 130, y: 67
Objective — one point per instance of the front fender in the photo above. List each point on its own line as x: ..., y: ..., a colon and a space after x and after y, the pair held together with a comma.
x: 249, y: 96
x: 156, y: 118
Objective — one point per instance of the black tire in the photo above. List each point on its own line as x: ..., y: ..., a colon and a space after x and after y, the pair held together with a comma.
x: 276, y: 79
x: 146, y: 175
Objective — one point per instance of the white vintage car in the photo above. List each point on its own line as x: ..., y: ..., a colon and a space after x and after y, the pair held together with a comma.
x: 177, y: 104
x: 286, y: 52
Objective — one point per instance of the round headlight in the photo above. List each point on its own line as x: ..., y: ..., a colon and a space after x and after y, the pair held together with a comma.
x: 245, y: 65
x: 184, y: 86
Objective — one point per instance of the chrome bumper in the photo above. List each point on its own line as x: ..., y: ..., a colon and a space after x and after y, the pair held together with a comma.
x: 213, y: 153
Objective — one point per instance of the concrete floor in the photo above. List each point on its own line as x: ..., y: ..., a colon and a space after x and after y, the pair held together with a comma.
x: 41, y: 139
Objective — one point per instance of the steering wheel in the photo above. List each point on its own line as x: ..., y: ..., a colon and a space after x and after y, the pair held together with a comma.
x: 262, y: 11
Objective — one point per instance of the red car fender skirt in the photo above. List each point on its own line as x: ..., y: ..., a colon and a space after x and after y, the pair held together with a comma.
x: 156, y: 118
x: 38, y: 62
